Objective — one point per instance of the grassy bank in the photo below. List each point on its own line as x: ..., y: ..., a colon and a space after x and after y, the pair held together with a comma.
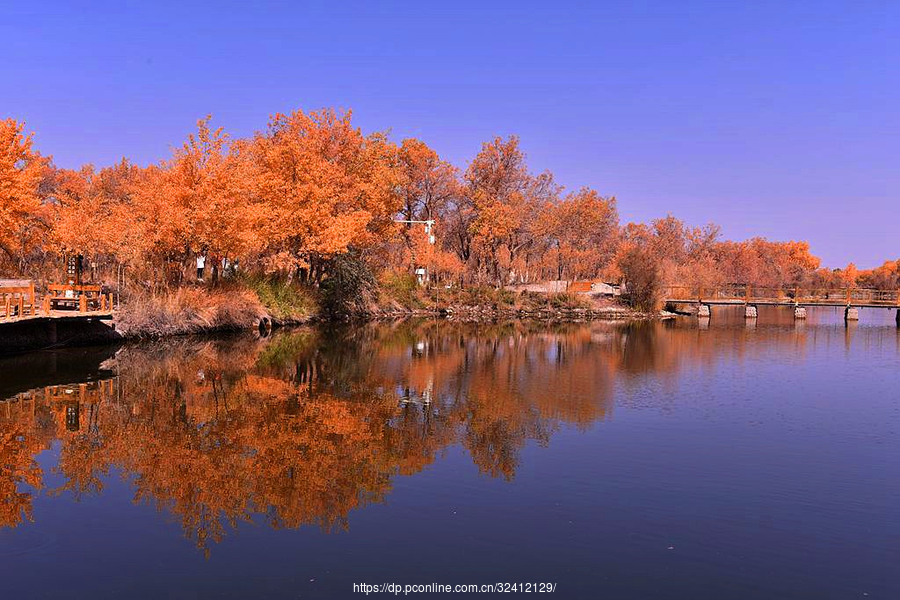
x: 232, y: 305
x: 241, y: 303
x: 400, y: 295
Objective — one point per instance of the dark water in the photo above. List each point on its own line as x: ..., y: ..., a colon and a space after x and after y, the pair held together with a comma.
x: 678, y: 460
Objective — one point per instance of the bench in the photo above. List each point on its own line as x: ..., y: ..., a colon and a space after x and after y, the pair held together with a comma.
x: 17, y: 298
x: 80, y: 297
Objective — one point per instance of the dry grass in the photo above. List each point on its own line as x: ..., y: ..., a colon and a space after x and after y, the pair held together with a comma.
x: 189, y: 310
x: 552, y: 301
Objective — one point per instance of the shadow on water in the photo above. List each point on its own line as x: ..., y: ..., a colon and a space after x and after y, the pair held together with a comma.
x: 23, y: 372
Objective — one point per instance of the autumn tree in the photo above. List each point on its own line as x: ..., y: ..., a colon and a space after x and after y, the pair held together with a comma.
x: 325, y: 187
x: 849, y: 275
x: 766, y: 263
x: 582, y: 230
x: 641, y: 272
x: 885, y: 277
x: 209, y: 182
x: 503, y: 204
x: 88, y: 209
x: 21, y: 171
x: 427, y: 187
x: 426, y: 183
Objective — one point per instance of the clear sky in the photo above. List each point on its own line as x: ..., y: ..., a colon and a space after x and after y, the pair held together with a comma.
x: 777, y: 118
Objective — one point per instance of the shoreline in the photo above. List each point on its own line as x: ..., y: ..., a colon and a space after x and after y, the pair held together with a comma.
x: 475, y: 313
x: 25, y: 337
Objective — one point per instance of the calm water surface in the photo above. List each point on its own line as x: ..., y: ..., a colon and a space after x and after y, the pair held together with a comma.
x: 679, y: 460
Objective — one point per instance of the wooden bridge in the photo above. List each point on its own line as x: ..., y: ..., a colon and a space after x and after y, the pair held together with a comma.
x: 799, y: 299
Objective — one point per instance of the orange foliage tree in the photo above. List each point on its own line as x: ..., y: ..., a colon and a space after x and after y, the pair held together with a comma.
x: 582, y: 231
x: 325, y: 188
x: 312, y: 187
x: 505, y: 201
x: 21, y: 172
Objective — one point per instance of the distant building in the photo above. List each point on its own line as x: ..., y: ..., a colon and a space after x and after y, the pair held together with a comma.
x: 607, y: 289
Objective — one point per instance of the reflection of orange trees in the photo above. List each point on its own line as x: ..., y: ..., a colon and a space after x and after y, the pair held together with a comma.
x: 28, y: 424
x: 17, y: 467
x: 500, y: 385
x: 298, y: 462
x: 522, y: 386
x: 26, y: 429
x: 76, y: 412
x: 647, y: 350
x: 206, y: 435
x: 303, y: 428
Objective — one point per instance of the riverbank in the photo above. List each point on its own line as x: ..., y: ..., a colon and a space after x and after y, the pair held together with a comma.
x: 476, y: 313
x: 265, y: 303
x: 231, y: 306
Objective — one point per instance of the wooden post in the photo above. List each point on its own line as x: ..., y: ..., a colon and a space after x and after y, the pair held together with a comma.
x: 82, y: 303
x: 848, y: 295
x: 102, y: 303
x: 21, y: 305
x: 45, y: 306
x: 33, y: 301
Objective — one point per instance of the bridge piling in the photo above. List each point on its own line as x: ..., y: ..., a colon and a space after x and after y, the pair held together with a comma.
x: 750, y: 311
x: 703, y: 311
x: 851, y: 313
x: 799, y: 312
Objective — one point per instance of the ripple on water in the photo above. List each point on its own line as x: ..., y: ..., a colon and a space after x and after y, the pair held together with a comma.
x: 24, y: 540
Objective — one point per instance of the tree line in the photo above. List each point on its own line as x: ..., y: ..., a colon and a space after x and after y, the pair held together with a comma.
x: 312, y: 188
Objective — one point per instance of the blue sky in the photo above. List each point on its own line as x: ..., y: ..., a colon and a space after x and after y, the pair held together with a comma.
x: 777, y: 119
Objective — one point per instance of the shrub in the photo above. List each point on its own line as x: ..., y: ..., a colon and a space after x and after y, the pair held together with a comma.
x: 552, y: 301
x: 567, y: 300
x: 284, y: 300
x: 402, y: 288
x: 642, y: 279
x: 483, y: 296
x: 350, y: 289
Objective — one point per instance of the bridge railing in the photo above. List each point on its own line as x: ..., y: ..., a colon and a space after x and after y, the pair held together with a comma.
x: 18, y: 300
x: 761, y: 294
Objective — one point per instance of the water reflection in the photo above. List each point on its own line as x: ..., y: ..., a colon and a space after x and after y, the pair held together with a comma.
x: 304, y: 427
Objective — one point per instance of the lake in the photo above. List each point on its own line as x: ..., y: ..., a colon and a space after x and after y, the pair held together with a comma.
x: 682, y: 459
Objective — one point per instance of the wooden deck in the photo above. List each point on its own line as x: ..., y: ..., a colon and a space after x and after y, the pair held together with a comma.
x: 101, y: 315
x: 19, y: 302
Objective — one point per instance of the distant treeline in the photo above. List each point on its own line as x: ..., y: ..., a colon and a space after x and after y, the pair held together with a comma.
x: 312, y: 188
